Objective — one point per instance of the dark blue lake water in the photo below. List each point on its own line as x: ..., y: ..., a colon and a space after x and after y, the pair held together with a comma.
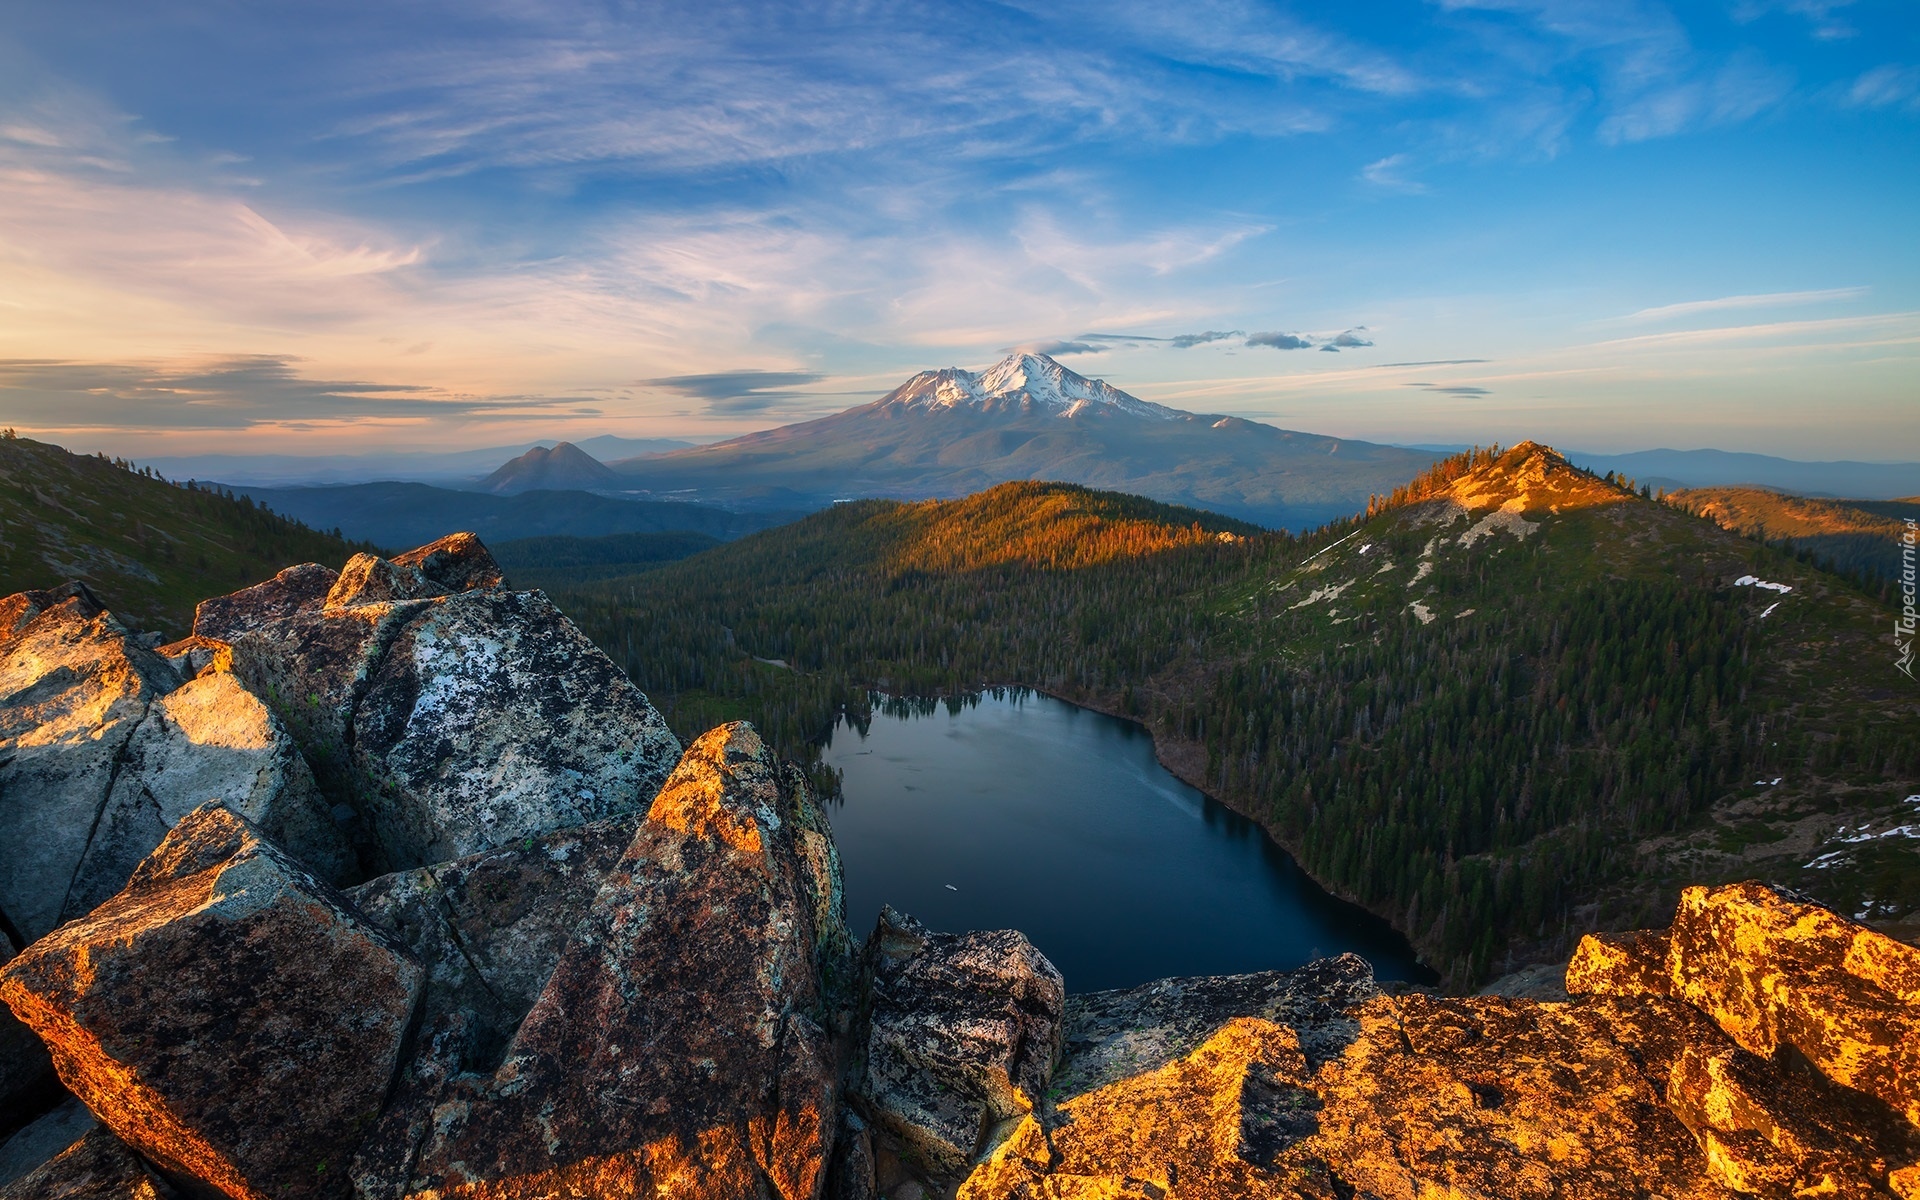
x: 1016, y: 810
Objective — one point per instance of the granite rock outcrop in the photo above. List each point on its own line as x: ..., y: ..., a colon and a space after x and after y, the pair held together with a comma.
x: 448, y: 715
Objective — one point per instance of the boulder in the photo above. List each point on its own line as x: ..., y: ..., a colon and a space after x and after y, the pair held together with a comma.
x: 297, y: 589
x: 448, y: 715
x: 1621, y: 964
x: 73, y: 687
x: 228, y: 1015
x: 492, y: 718
x: 207, y: 741
x: 959, y: 1038
x: 489, y: 930
x: 457, y: 563
x: 1114, y: 1034
x: 1778, y: 973
x: 679, y: 1046
x: 97, y: 1167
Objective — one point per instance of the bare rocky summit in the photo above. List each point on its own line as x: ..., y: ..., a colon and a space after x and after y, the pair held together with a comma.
x: 589, y: 965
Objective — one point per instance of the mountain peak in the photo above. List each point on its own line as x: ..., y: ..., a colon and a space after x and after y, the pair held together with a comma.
x: 565, y: 467
x: 1023, y: 382
x: 1531, y: 477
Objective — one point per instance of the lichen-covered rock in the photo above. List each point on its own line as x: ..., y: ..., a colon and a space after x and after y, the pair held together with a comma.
x: 97, y: 1167
x: 73, y: 687
x: 457, y: 563
x: 1621, y: 964
x: 449, y: 716
x: 228, y: 1015
x: 1767, y: 1132
x: 491, y: 718
x: 1114, y: 1034
x: 960, y: 1036
x: 488, y: 929
x: 207, y: 741
x: 1776, y: 973
x: 370, y: 579
x: 678, y: 1046
x: 301, y: 588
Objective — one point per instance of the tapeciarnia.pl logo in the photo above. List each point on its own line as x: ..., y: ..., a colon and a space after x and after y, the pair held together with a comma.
x: 1903, y: 625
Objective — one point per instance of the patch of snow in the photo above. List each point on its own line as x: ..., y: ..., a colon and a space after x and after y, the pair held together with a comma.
x: 1322, y: 550
x: 1365, y: 546
x: 1757, y: 582
x: 1330, y: 592
x: 1506, y: 519
x: 1769, y: 609
x: 1423, y: 612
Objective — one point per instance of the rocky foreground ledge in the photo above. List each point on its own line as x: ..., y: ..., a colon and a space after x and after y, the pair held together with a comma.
x: 387, y: 884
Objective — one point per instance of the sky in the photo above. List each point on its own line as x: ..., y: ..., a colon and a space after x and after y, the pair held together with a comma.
x: 333, y: 227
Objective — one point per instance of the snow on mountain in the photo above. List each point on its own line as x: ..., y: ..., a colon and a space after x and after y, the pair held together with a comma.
x: 1020, y: 382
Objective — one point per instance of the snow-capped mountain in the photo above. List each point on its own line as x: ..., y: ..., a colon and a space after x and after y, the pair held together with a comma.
x: 951, y: 432
x: 1026, y: 383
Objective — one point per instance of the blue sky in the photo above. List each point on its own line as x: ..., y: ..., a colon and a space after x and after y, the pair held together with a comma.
x: 1608, y: 225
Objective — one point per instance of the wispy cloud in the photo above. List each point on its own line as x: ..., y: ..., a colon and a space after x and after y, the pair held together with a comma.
x: 1756, y: 300
x: 737, y: 392
x: 232, y: 393
x: 1390, y: 173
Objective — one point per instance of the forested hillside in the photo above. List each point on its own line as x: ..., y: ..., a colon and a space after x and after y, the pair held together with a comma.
x: 1511, y: 702
x: 149, y: 549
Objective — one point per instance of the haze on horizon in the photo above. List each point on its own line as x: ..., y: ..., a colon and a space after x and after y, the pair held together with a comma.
x: 350, y: 226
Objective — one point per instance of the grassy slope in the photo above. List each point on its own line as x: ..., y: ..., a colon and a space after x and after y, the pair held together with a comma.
x: 1860, y: 537
x: 1611, y: 632
x: 148, y: 549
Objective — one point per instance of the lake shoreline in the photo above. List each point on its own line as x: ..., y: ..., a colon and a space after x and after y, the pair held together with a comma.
x: 1322, y: 920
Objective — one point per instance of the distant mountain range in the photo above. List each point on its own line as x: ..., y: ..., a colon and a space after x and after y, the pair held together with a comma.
x: 453, y: 468
x: 1672, y: 469
x: 951, y: 432
x: 412, y: 514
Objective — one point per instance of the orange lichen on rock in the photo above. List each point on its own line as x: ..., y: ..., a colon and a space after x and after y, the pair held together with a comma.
x: 227, y: 1015
x: 1185, y: 1125
x: 1620, y: 964
x: 1775, y: 973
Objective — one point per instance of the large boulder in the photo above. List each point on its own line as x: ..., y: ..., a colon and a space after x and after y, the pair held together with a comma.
x: 228, y: 1015
x: 491, y: 718
x: 74, y: 685
x: 680, y: 1045
x: 207, y: 741
x: 451, y: 716
x: 959, y: 1040
x: 297, y: 589
x: 1779, y: 974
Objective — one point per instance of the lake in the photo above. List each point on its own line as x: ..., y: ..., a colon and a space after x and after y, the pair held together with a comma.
x: 1011, y: 809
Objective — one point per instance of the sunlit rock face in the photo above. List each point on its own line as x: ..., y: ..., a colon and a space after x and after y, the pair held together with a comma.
x: 1317, y: 1085
x: 449, y: 715
x: 228, y: 1015
x: 74, y: 686
x: 680, y: 1046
